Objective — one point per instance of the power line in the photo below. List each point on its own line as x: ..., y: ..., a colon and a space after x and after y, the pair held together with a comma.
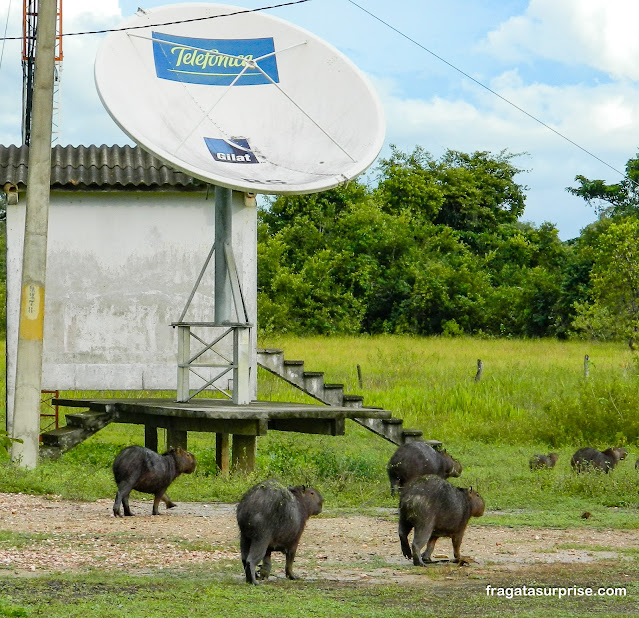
x: 170, y: 23
x: 523, y: 111
x: 4, y: 39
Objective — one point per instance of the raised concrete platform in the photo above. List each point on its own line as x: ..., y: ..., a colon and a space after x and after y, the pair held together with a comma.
x: 219, y: 416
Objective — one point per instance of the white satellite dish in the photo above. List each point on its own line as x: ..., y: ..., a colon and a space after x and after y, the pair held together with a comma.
x: 244, y: 100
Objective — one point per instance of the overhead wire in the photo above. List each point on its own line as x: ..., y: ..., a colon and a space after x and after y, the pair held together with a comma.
x: 4, y: 39
x: 495, y: 93
x: 170, y: 23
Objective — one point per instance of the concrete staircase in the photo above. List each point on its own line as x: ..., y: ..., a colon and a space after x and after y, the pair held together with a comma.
x: 312, y: 383
x: 79, y: 427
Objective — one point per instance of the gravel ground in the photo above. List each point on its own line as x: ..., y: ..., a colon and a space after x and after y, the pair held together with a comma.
x: 65, y: 535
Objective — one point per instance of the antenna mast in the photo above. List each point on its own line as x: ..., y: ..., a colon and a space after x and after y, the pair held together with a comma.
x: 29, y: 30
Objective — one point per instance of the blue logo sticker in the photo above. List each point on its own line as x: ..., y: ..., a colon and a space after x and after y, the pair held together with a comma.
x: 233, y: 151
x: 215, y: 62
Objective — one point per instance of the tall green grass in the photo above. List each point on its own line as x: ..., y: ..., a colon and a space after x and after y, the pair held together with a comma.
x: 530, y: 391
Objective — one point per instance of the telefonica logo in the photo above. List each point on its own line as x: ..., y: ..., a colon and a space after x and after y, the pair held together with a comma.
x: 236, y: 150
x: 216, y: 62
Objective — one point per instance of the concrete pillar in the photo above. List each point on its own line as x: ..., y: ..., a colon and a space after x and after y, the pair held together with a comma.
x: 26, y: 420
x: 243, y: 454
x: 222, y: 452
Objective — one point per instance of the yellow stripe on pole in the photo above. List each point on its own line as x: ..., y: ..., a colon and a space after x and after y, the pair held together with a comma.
x: 32, y: 322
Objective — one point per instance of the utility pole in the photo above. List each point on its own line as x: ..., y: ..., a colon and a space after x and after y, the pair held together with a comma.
x: 26, y: 420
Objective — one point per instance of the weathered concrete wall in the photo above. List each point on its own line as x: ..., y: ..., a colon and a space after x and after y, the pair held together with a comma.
x: 120, y: 268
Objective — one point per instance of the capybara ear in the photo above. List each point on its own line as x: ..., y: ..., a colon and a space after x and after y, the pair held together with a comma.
x: 179, y: 450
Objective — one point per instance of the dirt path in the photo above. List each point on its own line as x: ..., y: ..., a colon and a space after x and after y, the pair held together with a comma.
x: 74, y: 536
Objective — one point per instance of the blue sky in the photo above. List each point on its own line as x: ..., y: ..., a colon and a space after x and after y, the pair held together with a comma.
x: 573, y: 64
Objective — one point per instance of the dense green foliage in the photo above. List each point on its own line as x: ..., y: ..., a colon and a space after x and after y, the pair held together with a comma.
x: 437, y: 247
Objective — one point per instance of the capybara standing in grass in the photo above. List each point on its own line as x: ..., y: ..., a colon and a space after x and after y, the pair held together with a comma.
x: 435, y: 508
x: 142, y: 469
x: 414, y: 459
x: 537, y: 462
x: 271, y: 518
x: 590, y: 458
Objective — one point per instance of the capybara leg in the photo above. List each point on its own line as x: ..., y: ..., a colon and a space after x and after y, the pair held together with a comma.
x: 404, y: 531
x: 116, y: 505
x: 420, y: 539
x: 426, y: 556
x: 265, y: 569
x: 124, y: 489
x: 245, y: 545
x: 290, y: 558
x: 394, y: 484
x: 156, y: 503
x: 255, y: 556
x: 457, y: 539
x: 167, y: 501
x: 127, y: 508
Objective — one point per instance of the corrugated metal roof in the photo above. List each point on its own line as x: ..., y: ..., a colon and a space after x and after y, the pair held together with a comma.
x: 97, y: 168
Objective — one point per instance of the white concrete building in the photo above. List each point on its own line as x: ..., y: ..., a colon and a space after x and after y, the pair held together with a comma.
x: 128, y: 237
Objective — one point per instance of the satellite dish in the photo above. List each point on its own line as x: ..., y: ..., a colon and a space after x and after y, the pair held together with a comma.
x: 239, y: 98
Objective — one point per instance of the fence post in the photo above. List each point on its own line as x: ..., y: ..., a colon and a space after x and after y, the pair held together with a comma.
x: 359, y: 376
x: 480, y: 369
x: 586, y: 368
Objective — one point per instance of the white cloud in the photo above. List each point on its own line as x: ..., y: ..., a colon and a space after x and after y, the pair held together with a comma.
x: 598, y: 33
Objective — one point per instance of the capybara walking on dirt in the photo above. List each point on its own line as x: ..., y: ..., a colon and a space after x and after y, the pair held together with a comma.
x: 142, y: 469
x: 414, y: 459
x: 537, y: 462
x: 590, y: 458
x: 435, y: 508
x: 271, y: 518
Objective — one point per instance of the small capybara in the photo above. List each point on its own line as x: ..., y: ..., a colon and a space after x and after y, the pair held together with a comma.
x: 271, y: 517
x: 435, y: 508
x: 537, y: 462
x: 590, y: 458
x: 414, y: 459
x: 142, y: 469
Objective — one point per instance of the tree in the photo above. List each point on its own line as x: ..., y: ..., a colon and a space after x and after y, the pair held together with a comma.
x: 467, y: 192
x: 613, y: 311
x: 612, y: 200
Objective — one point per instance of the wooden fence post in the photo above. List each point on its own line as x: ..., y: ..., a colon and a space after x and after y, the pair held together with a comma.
x: 586, y: 368
x: 480, y: 369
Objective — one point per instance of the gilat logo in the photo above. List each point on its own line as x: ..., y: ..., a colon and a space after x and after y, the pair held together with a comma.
x: 216, y: 62
x: 236, y: 150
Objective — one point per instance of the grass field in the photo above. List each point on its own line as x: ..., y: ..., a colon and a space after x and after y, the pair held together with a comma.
x: 533, y: 397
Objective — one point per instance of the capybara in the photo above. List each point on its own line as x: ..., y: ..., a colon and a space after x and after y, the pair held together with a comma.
x: 435, y: 508
x: 271, y: 518
x: 142, y: 469
x: 590, y: 458
x: 414, y: 459
x: 537, y: 462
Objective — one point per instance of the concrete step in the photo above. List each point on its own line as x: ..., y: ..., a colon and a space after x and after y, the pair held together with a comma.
x: 271, y: 359
x: 293, y: 371
x: 334, y: 394
x: 353, y: 401
x: 80, y: 426
x: 314, y: 383
x: 93, y: 421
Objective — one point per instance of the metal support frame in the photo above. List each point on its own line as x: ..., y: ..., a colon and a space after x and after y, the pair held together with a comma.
x: 230, y: 314
x: 188, y: 362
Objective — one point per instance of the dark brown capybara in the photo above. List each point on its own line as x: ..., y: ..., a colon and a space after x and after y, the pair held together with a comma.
x: 142, y: 469
x: 414, y: 459
x: 538, y: 462
x: 591, y: 459
x: 435, y: 508
x: 271, y: 517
